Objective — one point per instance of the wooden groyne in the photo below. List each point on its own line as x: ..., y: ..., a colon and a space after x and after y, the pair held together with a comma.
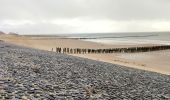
x: 110, y: 50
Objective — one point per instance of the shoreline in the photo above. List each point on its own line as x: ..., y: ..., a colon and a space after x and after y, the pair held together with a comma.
x: 145, y: 60
x: 28, y: 73
x: 132, y: 42
x: 124, y: 62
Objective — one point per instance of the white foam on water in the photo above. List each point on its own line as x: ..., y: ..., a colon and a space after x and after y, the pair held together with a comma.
x: 126, y: 41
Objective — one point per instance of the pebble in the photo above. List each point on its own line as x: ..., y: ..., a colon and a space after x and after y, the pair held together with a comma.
x: 24, y: 98
x: 62, y: 77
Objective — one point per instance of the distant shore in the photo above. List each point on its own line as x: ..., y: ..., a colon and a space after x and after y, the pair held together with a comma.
x: 157, y: 61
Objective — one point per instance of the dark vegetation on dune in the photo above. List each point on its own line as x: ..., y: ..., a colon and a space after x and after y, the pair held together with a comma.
x: 2, y: 33
x: 10, y: 33
x: 27, y: 73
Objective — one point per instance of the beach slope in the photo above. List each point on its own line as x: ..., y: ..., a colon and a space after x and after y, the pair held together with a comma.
x: 27, y: 73
x: 156, y: 61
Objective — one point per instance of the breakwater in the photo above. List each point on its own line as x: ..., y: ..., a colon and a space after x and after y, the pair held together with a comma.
x: 110, y: 50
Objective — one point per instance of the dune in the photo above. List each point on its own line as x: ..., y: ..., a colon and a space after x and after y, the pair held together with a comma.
x: 2, y: 33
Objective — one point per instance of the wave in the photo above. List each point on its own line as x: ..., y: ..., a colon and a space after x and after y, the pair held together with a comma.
x: 110, y: 37
x: 129, y: 41
x: 133, y: 36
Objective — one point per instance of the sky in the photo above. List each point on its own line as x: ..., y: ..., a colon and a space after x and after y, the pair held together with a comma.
x: 84, y: 16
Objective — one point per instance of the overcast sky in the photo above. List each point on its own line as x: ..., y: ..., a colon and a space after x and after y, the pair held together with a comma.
x: 84, y: 16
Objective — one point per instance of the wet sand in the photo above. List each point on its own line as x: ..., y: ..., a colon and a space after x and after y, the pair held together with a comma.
x: 157, y: 61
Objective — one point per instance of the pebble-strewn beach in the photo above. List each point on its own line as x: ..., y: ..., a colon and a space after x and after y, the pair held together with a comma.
x: 156, y: 61
x: 27, y: 73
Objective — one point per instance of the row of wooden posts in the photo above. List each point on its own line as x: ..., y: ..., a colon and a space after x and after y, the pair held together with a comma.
x: 110, y: 50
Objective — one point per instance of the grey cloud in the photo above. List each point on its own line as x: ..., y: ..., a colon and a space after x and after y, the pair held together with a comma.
x: 112, y: 9
x: 113, y: 15
x: 39, y: 28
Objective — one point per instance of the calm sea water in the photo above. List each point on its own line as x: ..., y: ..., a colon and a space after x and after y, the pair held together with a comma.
x: 112, y: 38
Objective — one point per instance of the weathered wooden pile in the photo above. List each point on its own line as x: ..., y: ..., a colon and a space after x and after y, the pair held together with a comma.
x: 111, y: 50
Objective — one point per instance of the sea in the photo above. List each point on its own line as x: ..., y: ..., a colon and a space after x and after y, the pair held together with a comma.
x: 129, y: 37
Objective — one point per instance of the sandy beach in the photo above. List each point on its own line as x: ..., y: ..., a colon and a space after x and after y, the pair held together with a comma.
x: 32, y: 74
x: 84, y: 50
x: 157, y: 61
